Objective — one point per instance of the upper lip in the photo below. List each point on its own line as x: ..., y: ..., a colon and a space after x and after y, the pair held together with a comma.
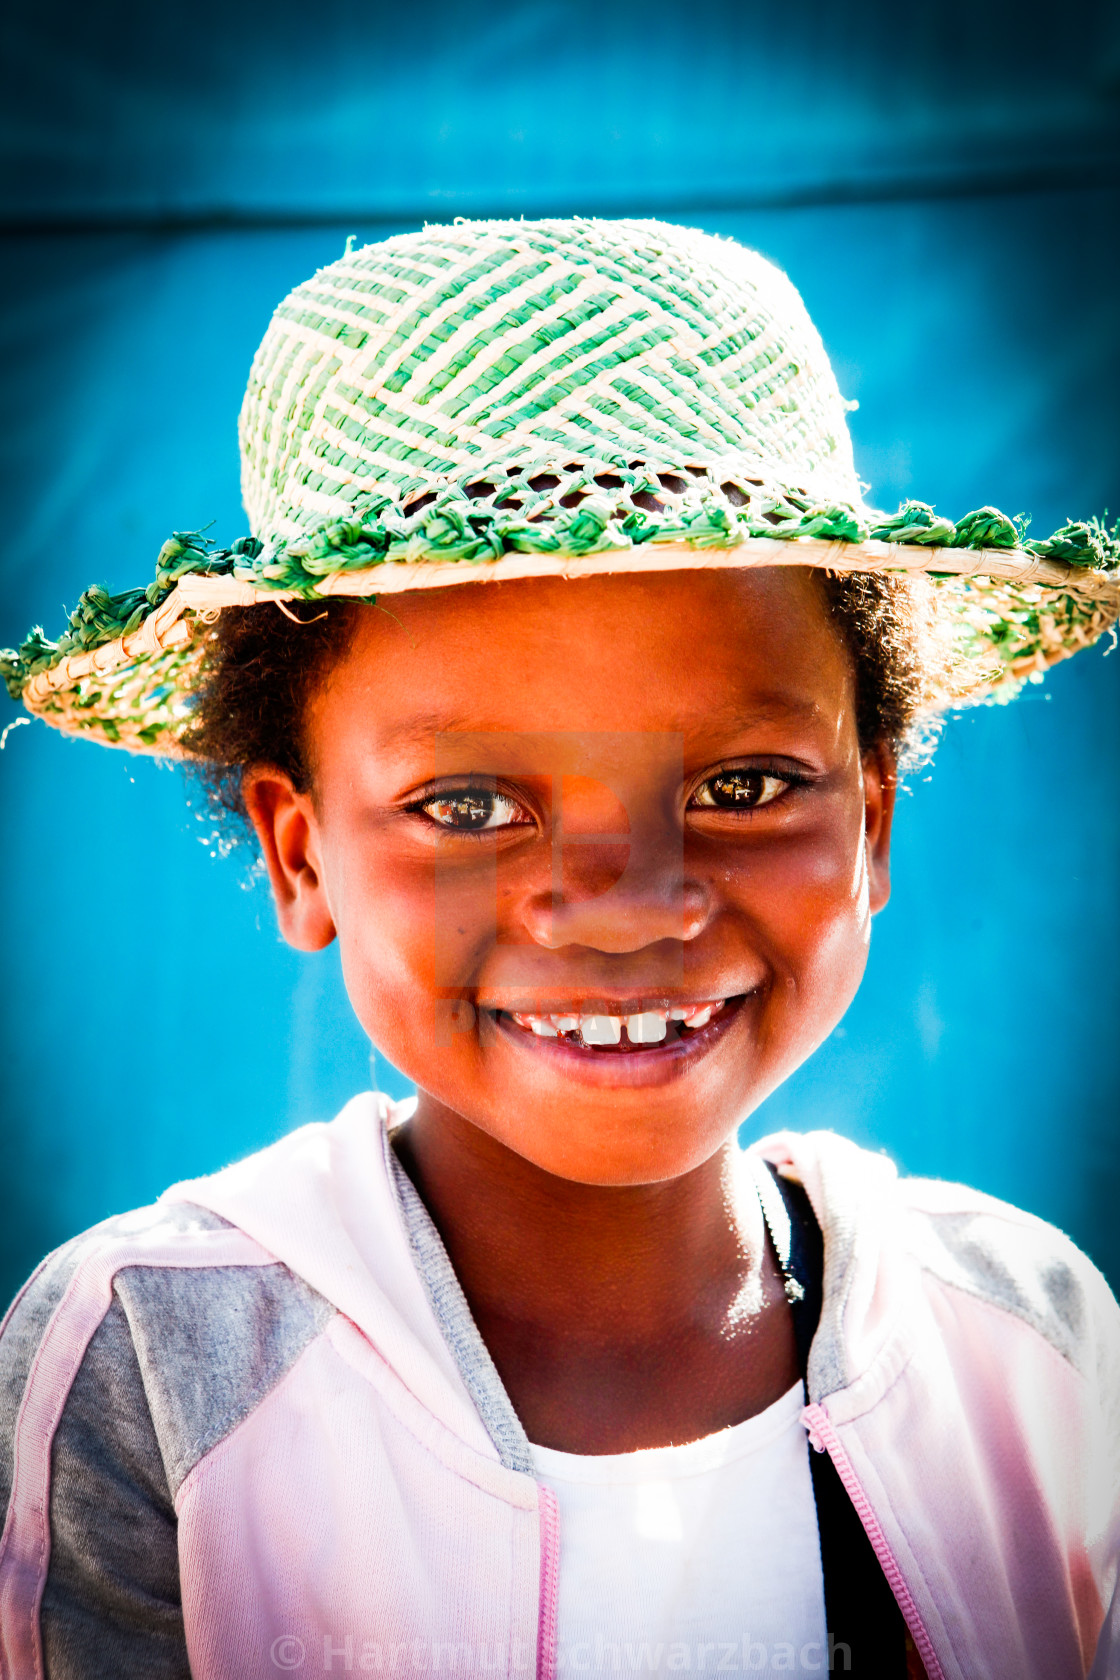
x: 597, y: 1004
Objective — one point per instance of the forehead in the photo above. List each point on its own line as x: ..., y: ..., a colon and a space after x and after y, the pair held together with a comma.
x: 681, y: 651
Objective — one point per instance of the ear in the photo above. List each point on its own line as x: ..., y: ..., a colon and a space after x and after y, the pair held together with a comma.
x: 880, y: 784
x: 288, y: 831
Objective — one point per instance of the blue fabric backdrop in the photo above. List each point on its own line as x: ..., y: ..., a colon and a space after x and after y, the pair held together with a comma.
x: 941, y: 182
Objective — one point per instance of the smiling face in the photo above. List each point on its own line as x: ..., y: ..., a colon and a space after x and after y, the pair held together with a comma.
x: 601, y: 855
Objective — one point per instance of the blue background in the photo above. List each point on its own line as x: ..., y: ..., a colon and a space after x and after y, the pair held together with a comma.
x: 940, y: 180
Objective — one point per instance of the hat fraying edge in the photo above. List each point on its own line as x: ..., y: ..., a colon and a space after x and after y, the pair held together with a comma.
x: 122, y: 672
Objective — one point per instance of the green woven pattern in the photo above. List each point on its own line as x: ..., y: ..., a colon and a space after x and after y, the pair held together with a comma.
x: 142, y: 705
x: 486, y: 346
x: 564, y: 391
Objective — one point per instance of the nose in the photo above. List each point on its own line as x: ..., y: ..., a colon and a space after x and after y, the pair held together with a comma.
x: 649, y: 902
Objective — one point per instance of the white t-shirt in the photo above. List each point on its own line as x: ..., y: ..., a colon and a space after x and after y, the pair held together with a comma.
x: 697, y: 1559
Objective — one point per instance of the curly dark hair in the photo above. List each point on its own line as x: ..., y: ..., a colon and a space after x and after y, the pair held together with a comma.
x: 261, y: 666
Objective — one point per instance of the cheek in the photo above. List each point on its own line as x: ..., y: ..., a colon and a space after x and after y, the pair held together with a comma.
x: 809, y: 897
x: 411, y: 935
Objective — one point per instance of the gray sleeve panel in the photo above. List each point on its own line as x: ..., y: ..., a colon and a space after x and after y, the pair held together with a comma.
x: 181, y: 1357
x: 32, y: 1309
x: 111, y: 1607
x: 211, y: 1343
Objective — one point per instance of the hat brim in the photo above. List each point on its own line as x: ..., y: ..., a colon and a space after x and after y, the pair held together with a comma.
x: 133, y: 690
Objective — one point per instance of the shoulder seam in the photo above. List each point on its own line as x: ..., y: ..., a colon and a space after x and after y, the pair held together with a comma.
x: 1026, y: 1319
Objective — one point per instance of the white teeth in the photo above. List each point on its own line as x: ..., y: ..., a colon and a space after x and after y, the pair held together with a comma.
x: 648, y: 1028
x: 540, y: 1024
x: 600, y: 1029
x: 696, y: 1014
x: 700, y: 1018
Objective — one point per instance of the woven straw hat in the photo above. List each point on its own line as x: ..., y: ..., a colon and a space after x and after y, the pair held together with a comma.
x: 511, y: 399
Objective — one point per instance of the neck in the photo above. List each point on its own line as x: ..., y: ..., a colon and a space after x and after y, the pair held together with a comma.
x: 583, y: 1260
x: 617, y: 1317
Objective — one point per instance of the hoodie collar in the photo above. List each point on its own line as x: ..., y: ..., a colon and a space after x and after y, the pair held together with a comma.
x: 332, y: 1203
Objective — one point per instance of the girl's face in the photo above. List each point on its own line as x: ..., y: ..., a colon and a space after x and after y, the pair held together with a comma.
x: 637, y: 803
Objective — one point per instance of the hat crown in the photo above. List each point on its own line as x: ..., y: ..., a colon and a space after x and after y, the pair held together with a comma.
x: 483, y: 347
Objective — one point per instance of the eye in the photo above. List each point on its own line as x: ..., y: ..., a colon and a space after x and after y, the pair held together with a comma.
x: 739, y: 790
x: 471, y: 809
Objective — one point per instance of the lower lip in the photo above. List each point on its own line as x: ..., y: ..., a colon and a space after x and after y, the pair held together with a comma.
x: 655, y: 1064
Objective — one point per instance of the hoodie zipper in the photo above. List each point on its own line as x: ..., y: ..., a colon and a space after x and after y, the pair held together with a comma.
x: 550, y: 1563
x: 823, y: 1438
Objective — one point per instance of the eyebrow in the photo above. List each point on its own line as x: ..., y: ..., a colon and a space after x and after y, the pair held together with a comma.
x: 420, y: 730
x: 765, y: 708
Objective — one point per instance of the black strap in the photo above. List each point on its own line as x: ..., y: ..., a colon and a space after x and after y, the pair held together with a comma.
x: 866, y: 1630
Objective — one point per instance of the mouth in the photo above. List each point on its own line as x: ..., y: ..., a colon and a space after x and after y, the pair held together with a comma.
x: 653, y: 1042
x: 635, y: 1033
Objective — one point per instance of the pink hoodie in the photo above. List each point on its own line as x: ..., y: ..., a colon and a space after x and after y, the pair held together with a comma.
x: 353, y: 1492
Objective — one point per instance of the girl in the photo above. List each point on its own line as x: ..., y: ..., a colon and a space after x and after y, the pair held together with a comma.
x: 542, y: 1374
